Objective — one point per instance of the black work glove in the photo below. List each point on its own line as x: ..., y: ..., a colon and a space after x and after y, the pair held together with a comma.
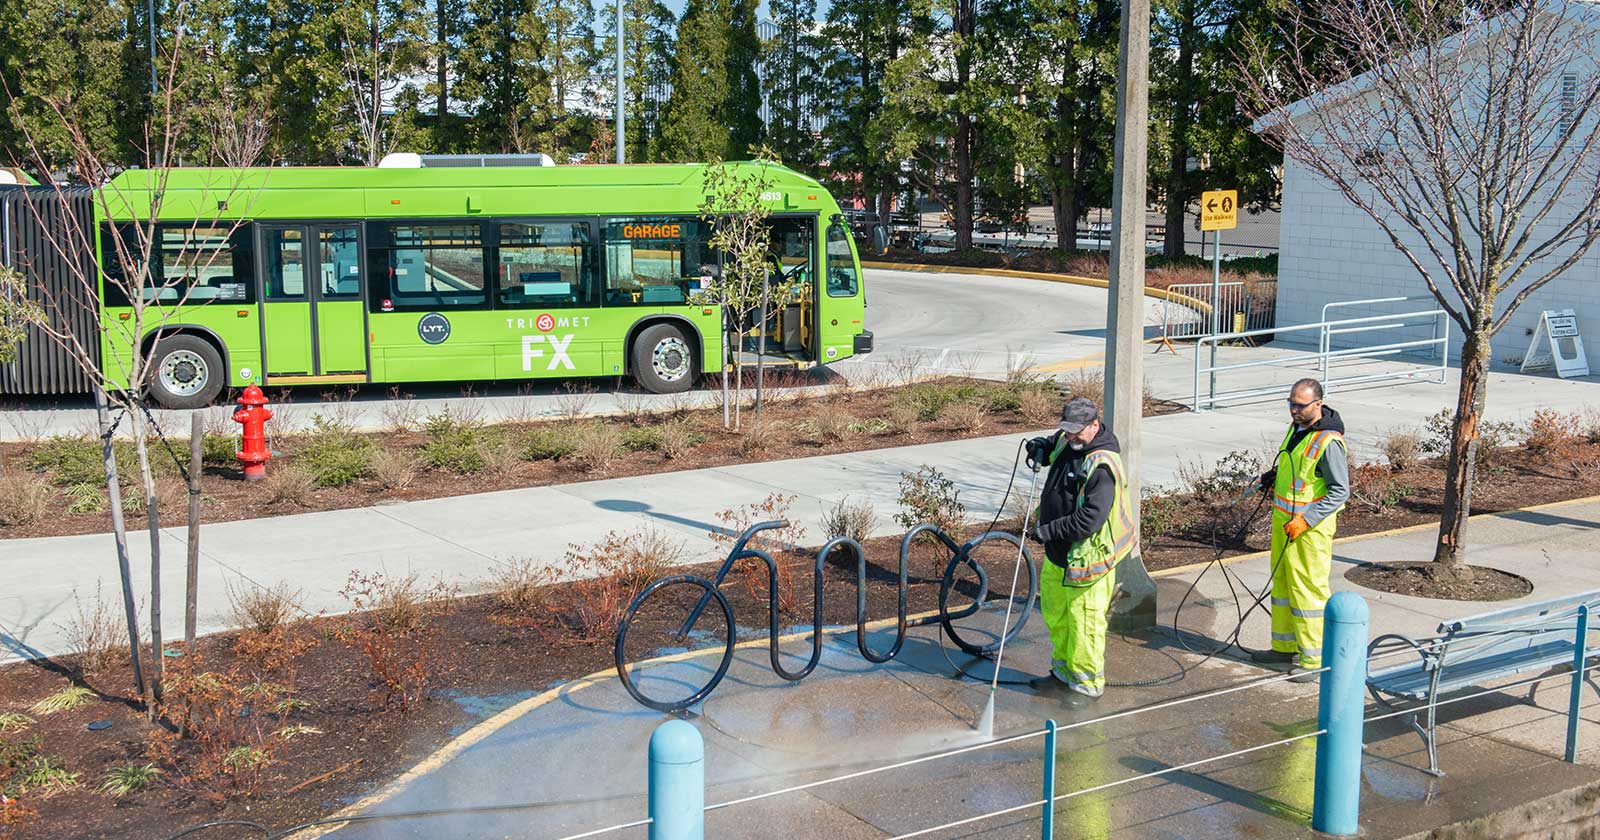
x: 1046, y: 532
x: 1268, y: 480
x: 1038, y: 450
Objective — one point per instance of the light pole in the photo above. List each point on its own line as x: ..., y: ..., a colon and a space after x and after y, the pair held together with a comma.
x: 1135, y: 609
x: 621, y: 94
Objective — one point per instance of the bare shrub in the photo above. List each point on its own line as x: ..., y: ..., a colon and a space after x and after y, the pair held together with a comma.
x: 775, y: 507
x: 500, y: 459
x: 1591, y: 424
x: 1039, y: 406
x: 606, y: 576
x: 1552, y: 433
x: 520, y: 587
x: 850, y: 519
x: 1085, y: 383
x: 633, y: 407
x: 678, y: 438
x: 902, y: 418
x: 400, y: 412
x: 829, y: 424
x: 263, y: 609
x: 94, y: 633
x: 395, y: 469
x: 596, y: 445
x: 24, y: 499
x: 908, y: 367
x: 289, y: 484
x: 1374, y: 487
x: 1401, y: 447
x: 397, y: 604
x: 575, y: 401
x: 927, y: 495
x: 757, y: 438
x: 966, y: 417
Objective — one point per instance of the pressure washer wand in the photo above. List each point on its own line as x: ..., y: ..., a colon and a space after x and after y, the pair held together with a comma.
x: 985, y: 724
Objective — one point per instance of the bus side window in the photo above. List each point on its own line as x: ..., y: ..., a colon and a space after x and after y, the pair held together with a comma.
x: 657, y: 261
x: 191, y: 262
x: 420, y: 267
x: 842, y: 279
x: 545, y: 265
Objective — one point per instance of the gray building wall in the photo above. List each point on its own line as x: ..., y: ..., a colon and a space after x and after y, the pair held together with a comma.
x: 1331, y: 251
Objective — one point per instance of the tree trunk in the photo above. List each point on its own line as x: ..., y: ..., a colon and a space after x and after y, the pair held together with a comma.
x: 1178, y: 162
x: 1461, y: 462
x: 441, y: 71
x: 141, y: 444
x: 119, y: 530
x: 966, y: 27
x: 191, y: 593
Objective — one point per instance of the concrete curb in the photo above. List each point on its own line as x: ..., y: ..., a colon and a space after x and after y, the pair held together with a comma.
x: 1573, y: 813
x: 1408, y: 529
x: 483, y: 729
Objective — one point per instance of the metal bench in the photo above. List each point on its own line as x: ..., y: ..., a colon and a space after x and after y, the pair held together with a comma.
x: 1531, y: 638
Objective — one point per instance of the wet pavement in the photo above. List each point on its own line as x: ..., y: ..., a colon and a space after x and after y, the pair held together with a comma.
x: 576, y: 756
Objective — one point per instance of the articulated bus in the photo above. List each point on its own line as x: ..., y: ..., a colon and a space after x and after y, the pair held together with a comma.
x: 429, y: 273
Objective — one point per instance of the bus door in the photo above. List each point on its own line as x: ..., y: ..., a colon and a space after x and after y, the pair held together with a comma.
x: 313, y: 317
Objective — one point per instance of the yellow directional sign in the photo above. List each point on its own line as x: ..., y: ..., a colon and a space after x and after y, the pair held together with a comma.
x: 1219, y: 210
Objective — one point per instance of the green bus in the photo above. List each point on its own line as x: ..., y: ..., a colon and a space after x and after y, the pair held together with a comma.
x: 438, y: 273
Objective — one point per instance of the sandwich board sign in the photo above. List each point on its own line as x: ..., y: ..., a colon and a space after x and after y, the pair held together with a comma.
x: 1558, y: 344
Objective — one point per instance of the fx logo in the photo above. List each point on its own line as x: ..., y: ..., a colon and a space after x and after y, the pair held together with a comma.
x: 558, y: 347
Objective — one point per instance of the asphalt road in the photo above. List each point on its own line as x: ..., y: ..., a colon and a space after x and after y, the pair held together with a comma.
x: 923, y: 323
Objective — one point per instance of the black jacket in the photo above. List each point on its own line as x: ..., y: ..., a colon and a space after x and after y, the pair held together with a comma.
x: 1061, y: 518
x: 1330, y: 422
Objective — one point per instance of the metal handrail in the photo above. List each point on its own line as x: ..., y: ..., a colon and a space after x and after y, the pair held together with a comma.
x: 1325, y: 329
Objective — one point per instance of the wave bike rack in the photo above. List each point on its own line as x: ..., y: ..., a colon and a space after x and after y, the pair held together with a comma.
x: 960, y: 555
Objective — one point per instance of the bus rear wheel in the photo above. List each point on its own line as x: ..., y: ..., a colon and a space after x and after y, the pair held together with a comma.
x: 186, y: 372
x: 663, y: 360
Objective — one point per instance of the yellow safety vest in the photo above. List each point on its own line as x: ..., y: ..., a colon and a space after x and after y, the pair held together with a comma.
x: 1298, y: 486
x: 1089, y: 559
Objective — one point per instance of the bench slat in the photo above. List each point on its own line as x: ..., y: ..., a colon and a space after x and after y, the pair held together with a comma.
x: 1522, y: 613
x: 1412, y: 681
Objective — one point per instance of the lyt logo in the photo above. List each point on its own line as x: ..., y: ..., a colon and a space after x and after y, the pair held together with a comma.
x: 558, y: 348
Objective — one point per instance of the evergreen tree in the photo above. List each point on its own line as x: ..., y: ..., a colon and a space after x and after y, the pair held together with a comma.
x: 569, y: 49
x: 692, y: 123
x: 741, y: 109
x: 60, y: 54
x: 792, y: 82
x: 1076, y: 41
x: 503, y: 78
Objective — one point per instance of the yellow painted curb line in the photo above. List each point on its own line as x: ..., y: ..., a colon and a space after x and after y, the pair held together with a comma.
x: 1072, y: 279
x: 466, y: 740
x: 1394, y: 532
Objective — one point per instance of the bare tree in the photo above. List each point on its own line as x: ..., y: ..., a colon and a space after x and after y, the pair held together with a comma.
x: 1466, y: 132
x: 735, y: 207
x: 153, y: 267
x: 381, y: 40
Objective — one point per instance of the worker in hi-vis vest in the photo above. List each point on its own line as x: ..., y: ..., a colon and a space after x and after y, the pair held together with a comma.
x: 1085, y: 526
x: 1309, y: 485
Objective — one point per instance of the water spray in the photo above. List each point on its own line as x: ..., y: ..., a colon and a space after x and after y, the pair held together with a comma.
x: 985, y: 725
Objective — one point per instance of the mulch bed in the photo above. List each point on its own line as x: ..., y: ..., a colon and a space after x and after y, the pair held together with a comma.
x: 227, y: 497
x: 1423, y: 580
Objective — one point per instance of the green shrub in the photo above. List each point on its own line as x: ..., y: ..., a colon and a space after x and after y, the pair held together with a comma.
x: 932, y: 398
x: 86, y: 498
x: 454, y: 444
x: 80, y: 460
x: 334, y: 455
x: 1005, y: 399
x: 218, y: 450
x: 928, y: 496
x: 641, y: 438
x: 548, y: 443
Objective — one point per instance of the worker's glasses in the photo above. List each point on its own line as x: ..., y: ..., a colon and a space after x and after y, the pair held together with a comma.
x: 1297, y: 406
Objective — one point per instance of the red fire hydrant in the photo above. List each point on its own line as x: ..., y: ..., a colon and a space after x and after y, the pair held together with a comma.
x: 253, y: 414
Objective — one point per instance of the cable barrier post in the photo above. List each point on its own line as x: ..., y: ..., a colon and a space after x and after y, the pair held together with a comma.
x: 1580, y: 653
x: 1340, y: 710
x: 677, y: 782
x: 1047, y: 819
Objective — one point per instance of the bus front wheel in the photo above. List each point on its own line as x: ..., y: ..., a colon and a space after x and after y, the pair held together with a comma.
x: 186, y: 372
x: 663, y: 360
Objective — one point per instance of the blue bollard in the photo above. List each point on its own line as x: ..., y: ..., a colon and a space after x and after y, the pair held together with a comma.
x: 1336, y: 808
x: 1047, y: 820
x: 1579, y: 654
x: 677, y: 782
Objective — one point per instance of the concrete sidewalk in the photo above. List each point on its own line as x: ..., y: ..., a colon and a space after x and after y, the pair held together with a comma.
x: 763, y: 734
x: 460, y: 539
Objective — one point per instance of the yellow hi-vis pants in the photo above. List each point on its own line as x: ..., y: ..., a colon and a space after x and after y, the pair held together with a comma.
x: 1300, y: 588
x: 1076, y: 617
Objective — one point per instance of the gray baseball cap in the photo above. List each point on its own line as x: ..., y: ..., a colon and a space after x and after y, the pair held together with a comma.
x: 1078, y: 413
